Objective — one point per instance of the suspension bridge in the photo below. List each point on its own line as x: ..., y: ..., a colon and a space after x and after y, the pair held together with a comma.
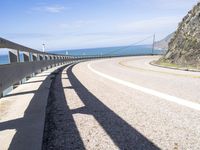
x: 107, y: 101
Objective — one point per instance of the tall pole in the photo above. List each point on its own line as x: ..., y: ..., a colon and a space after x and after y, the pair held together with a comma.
x: 43, y: 48
x: 153, y: 45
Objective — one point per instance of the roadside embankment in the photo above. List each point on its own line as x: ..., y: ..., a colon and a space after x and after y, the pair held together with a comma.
x: 175, y: 66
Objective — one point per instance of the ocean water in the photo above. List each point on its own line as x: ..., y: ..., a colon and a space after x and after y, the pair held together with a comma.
x: 123, y: 50
x: 3, y: 59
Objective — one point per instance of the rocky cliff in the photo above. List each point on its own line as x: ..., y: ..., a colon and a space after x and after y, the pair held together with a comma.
x: 184, y: 47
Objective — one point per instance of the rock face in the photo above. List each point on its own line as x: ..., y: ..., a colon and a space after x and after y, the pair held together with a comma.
x: 163, y: 44
x: 184, y: 47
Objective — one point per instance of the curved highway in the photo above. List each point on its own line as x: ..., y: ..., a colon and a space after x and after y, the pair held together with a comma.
x: 126, y: 103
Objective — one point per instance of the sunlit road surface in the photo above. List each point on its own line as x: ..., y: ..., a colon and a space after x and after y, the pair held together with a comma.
x: 125, y: 103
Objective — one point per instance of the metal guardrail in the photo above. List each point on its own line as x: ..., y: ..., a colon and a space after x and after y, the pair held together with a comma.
x: 34, y: 61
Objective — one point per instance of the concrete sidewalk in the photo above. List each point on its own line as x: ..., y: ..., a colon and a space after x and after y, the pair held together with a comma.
x: 22, y: 113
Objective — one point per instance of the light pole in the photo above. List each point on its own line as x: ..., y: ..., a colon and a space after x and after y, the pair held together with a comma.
x: 43, y: 47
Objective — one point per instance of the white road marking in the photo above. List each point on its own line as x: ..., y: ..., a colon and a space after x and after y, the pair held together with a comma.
x: 164, y: 96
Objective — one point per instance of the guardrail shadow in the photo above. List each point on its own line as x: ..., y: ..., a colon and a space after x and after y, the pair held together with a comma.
x: 27, y: 132
x: 29, y: 128
x: 60, y: 128
x: 123, y: 135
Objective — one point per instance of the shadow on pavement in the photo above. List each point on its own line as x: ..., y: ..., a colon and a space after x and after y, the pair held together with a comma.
x: 60, y: 129
x: 27, y: 133
x: 29, y: 128
x: 123, y: 135
x: 61, y: 125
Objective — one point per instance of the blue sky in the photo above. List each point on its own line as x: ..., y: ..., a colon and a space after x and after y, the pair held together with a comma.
x: 72, y: 24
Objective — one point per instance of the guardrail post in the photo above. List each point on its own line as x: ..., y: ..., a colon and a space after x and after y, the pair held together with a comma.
x: 58, y: 57
x: 27, y: 58
x: 42, y: 58
x: 52, y: 60
x: 34, y: 58
x: 65, y: 59
x: 58, y: 60
x: 46, y: 59
x: 14, y: 58
x: 38, y: 57
x: 50, y: 66
x: 55, y: 60
x: 61, y: 57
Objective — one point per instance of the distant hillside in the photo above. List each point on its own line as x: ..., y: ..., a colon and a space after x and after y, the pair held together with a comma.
x: 184, y: 47
x: 163, y: 44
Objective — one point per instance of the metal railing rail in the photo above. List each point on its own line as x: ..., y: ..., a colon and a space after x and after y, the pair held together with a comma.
x: 34, y: 62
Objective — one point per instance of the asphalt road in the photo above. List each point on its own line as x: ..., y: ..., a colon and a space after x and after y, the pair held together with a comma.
x: 125, y: 103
